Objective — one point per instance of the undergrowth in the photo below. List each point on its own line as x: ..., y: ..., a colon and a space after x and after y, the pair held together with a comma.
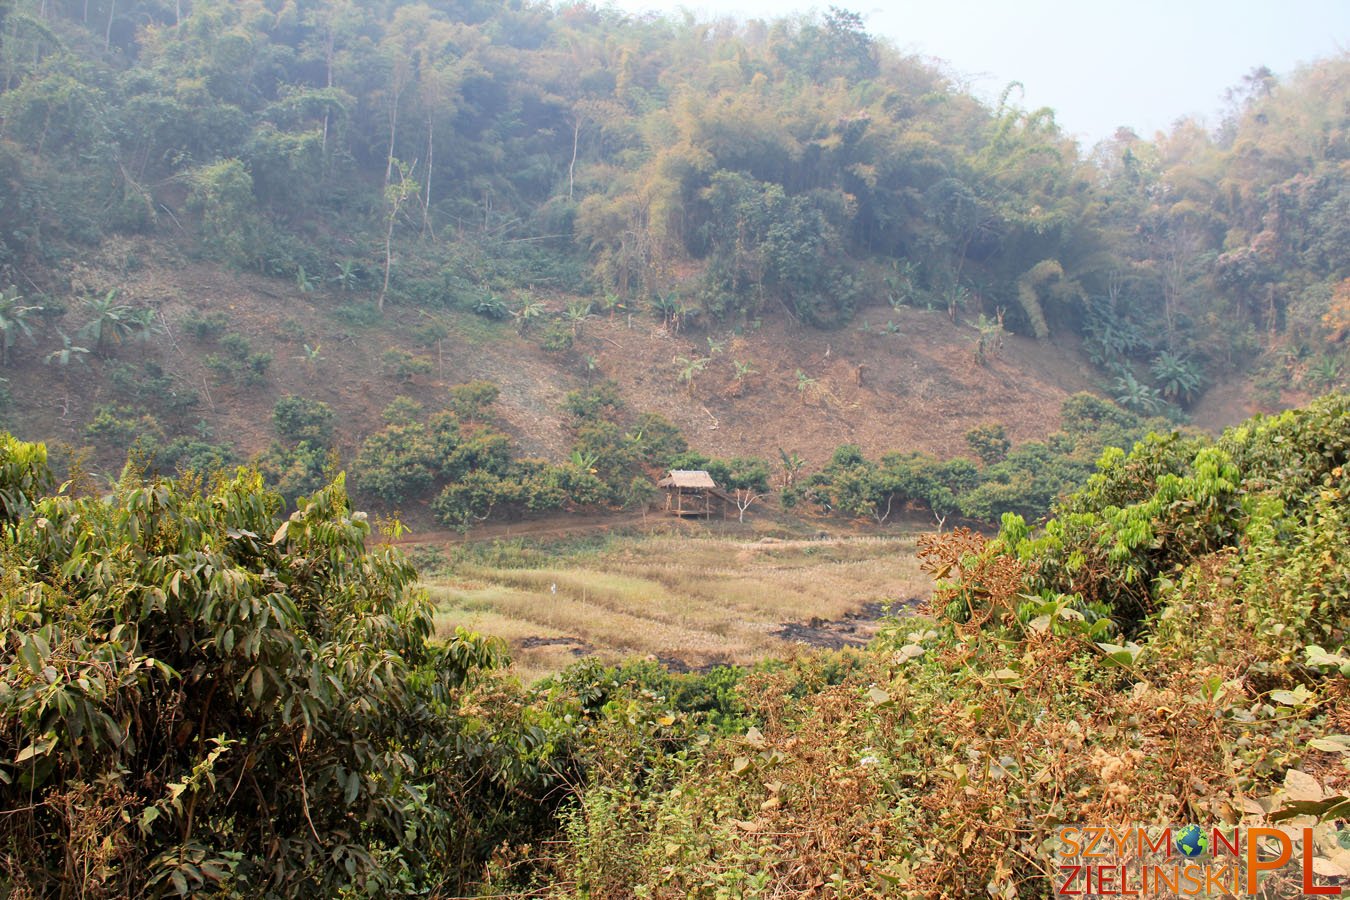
x: 1213, y: 687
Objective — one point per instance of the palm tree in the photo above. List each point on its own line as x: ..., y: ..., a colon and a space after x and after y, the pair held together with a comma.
x: 13, y: 321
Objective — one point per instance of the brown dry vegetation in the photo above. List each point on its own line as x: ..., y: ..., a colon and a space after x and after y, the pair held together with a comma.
x: 689, y: 601
x: 920, y: 388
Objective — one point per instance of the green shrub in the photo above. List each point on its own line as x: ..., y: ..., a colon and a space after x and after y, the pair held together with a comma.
x: 988, y: 442
x: 121, y: 427
x: 1147, y: 514
x: 403, y: 365
x: 150, y: 386
x: 203, y: 327
x: 199, y: 457
x: 396, y: 463
x: 299, y: 419
x: 238, y: 362
x: 402, y: 410
x: 206, y: 716
x: 470, y: 401
x: 557, y: 338
x: 24, y: 476
x: 296, y: 471
x: 599, y: 401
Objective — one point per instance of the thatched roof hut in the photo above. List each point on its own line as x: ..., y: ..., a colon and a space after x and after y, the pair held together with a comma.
x: 691, y: 492
x: 687, y: 478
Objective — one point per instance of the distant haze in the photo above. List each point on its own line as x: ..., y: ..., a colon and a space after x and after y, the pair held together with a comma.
x: 1142, y: 64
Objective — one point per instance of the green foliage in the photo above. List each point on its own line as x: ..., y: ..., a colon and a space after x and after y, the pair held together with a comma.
x: 298, y: 470
x: 1145, y: 515
x: 238, y: 362
x: 396, y: 463
x: 15, y: 321
x: 472, y: 400
x: 558, y: 337
x: 490, y: 306
x: 299, y: 419
x: 148, y: 385
x: 231, y: 230
x: 123, y: 429
x: 24, y: 477
x: 989, y: 442
x: 403, y: 365
x: 1136, y: 396
x: 468, y: 465
x: 205, y: 326
x: 598, y: 401
x: 111, y: 323
x: 402, y: 411
x: 305, y: 696
x: 1025, y: 480
x: 1178, y: 377
x: 67, y: 355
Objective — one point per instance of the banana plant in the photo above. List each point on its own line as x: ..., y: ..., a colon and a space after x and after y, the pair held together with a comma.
x: 14, y: 316
x: 69, y: 353
x: 577, y: 314
x: 690, y: 369
x: 348, y: 275
x: 112, y: 322
x: 1177, y: 375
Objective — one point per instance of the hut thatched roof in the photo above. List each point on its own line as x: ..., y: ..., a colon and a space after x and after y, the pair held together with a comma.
x: 687, y: 478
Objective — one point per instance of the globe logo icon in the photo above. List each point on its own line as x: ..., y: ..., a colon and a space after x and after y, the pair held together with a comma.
x: 1192, y: 841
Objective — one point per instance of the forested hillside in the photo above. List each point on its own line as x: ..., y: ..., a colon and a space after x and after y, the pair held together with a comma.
x: 263, y: 264
x: 544, y: 165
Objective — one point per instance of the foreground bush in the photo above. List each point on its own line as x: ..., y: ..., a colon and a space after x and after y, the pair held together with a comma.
x: 198, y: 696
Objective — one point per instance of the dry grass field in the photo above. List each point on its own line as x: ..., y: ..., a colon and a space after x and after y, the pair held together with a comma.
x: 688, y: 601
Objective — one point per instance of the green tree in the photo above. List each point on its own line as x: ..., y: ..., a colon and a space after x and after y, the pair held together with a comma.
x: 989, y: 442
x: 396, y: 195
x: 300, y: 419
x: 305, y: 695
x: 231, y: 228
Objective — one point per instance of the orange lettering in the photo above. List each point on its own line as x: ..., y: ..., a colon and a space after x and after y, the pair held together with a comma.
x: 1256, y: 865
x: 1164, y: 842
x: 1125, y: 883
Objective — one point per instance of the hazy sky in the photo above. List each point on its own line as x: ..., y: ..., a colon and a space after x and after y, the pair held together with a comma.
x: 1142, y: 63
